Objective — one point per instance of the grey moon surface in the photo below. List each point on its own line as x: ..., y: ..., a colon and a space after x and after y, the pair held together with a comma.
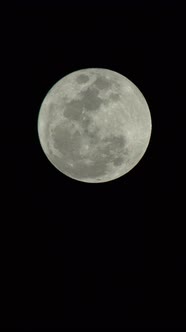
x: 94, y: 125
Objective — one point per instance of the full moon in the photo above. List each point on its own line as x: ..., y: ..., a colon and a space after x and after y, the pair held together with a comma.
x: 94, y: 125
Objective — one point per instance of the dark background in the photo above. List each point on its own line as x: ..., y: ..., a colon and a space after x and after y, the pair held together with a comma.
x: 78, y: 255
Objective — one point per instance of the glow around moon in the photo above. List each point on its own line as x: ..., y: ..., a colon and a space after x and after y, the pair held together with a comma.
x: 94, y: 125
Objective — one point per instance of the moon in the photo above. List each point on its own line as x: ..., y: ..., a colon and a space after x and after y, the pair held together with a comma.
x: 94, y: 125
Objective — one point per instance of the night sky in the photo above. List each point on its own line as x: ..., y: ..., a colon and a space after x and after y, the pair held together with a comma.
x: 79, y: 255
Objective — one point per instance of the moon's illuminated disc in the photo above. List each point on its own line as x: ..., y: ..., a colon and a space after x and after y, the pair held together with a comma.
x: 94, y: 125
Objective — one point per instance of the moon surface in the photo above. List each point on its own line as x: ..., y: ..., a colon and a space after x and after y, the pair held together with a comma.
x: 94, y: 125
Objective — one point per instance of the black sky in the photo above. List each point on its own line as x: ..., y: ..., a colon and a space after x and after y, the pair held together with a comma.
x: 78, y: 255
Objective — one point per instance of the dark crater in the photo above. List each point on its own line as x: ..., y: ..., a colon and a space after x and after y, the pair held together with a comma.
x: 102, y: 83
x: 73, y: 110
x: 114, y: 96
x: 90, y: 101
x: 82, y: 78
x: 65, y: 142
x: 114, y: 144
x: 118, y: 161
